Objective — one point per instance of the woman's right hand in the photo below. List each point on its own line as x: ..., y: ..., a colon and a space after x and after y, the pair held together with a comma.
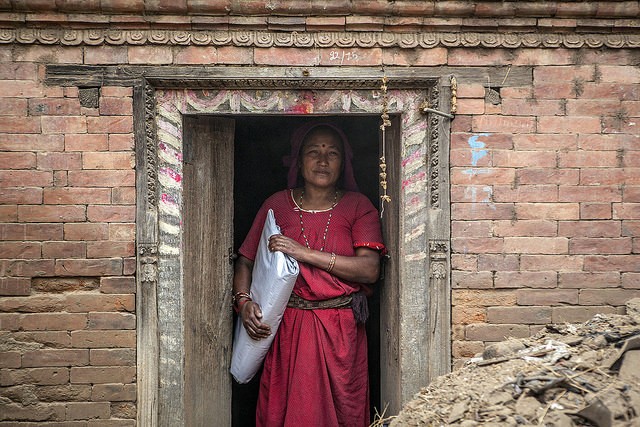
x: 251, y: 320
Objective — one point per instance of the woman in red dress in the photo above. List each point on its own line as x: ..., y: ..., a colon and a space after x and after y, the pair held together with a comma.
x: 315, y: 373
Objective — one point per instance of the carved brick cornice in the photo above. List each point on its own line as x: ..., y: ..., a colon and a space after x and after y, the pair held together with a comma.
x: 260, y: 39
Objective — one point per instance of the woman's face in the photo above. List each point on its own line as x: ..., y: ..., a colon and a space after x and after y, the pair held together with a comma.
x: 321, y: 159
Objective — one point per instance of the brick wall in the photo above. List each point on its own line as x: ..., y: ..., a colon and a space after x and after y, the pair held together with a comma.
x: 545, y: 191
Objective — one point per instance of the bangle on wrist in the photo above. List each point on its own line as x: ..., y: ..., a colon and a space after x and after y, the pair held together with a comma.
x: 332, y: 262
x: 238, y: 295
x: 242, y: 302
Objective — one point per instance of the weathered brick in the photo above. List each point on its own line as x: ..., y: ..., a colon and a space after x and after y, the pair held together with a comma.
x: 488, y: 332
x: 548, y: 176
x: 498, y: 262
x: 468, y: 141
x: 103, y: 374
x: 589, y: 228
x: 525, y: 279
x: 589, y: 193
x: 114, y: 392
x: 126, y: 410
x: 108, y: 160
x: 459, y: 57
x: 536, y: 245
x: 103, y: 339
x: 149, y: 55
x: 588, y: 245
x: 545, y: 142
x: 113, y: 357
x: 466, y: 348
x: 509, y: 124
x: 123, y: 196
x: 121, y: 142
x: 24, y: 178
x: 18, y: 160
x: 118, y: 285
x: 86, y: 302
x: 50, y: 54
x: 547, y: 296
x: 129, y: 266
x: 543, y: 57
x: 64, y: 249
x: 53, y: 213
x: 596, y: 211
x: 556, y: 124
x: 477, y: 245
x: 22, y: 250
x: 473, y: 298
x: 525, y: 228
x: 88, y: 142
x: 21, y: 89
x: 519, y: 315
x: 588, y: 159
x: 619, y: 74
x: 547, y: 211
x: 95, y: 55
x: 414, y: 57
x: 288, y: 56
x: 471, y: 229
x: 64, y: 284
x: 62, y: 393
x: 462, y: 315
x: 51, y: 339
x: 110, y: 249
x: 10, y: 359
x: 110, y: 124
x: 54, y: 107
x: 53, y: 321
x: 111, y: 213
x: 27, y: 267
x: 88, y: 267
x: 582, y: 279
x: 631, y: 280
x: 111, y: 321
x: 76, y: 195
x: 86, y: 231
x: 88, y: 410
x: 39, y: 358
x: 41, y: 376
x: 471, y: 280
x: 11, y: 286
x: 9, y: 321
x: 64, y: 124
x: 116, y: 91
x: 464, y: 262
x: 479, y: 176
x: 616, y: 297
x: 566, y: 74
x: 102, y: 178
x: 196, y: 55
x: 475, y: 211
x: 20, y: 196
x: 623, y: 263
x: 578, y: 314
x: 531, y: 107
x: 36, y: 412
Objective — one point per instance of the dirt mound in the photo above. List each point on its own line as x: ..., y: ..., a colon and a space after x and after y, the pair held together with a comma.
x: 566, y: 375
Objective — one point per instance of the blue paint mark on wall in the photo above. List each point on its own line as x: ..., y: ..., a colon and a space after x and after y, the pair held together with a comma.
x: 477, y: 148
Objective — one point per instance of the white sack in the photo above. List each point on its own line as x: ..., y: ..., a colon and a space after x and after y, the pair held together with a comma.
x: 274, y: 275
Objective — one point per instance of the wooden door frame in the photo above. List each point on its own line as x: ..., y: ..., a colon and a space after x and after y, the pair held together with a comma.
x: 418, y: 346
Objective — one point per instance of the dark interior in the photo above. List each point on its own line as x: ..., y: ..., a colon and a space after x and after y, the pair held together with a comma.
x: 260, y: 144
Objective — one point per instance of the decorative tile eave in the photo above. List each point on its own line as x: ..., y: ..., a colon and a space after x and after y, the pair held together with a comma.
x: 262, y: 39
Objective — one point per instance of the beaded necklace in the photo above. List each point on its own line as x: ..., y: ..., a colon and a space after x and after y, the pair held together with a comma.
x: 326, y: 228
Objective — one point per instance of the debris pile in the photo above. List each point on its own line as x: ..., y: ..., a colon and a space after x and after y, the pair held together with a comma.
x: 566, y: 375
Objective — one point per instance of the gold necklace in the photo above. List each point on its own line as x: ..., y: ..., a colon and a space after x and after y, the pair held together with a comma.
x: 326, y: 228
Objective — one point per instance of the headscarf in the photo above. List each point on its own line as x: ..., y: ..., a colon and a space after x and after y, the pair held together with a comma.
x: 294, y: 180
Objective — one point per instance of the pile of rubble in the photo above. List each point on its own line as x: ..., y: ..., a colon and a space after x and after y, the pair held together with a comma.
x: 567, y: 375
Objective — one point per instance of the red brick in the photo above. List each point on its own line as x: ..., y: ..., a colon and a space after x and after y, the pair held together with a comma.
x: 30, y: 231
x: 508, y: 124
x: 588, y: 159
x: 536, y: 56
x: 619, y: 74
x: 54, y: 106
x: 49, y: 54
x: 525, y: 193
x: 578, y: 314
x: 583, y: 279
x: 595, y: 211
x: 525, y: 228
x: 116, y: 91
x: 594, y: 142
x: 546, y: 211
x: 234, y: 55
x: 630, y: 228
x: 25, y: 178
x: 487, y: 332
x: 39, y: 376
x: 471, y: 280
x: 545, y: 142
x: 71, y: 195
x: 18, y: 71
x: 498, y: 262
x: 40, y: 358
x: 622, y: 263
x: 12, y: 286
x: 553, y: 124
x: 87, y: 302
x: 64, y: 284
x: 10, y: 359
x: 461, y: 349
x: 8, y: 213
x: 55, y: 339
x: 471, y: 106
x: 21, y: 196
x: 113, y: 392
x: 286, y: 56
x: 18, y: 160
x: 554, y: 91
x: 27, y: 267
x: 149, y: 55
x: 590, y: 193
x: 86, y: 231
x: 102, y: 178
x: 113, y: 357
x: 110, y: 124
x: 519, y: 315
x: 525, y: 279
x: 616, y: 297
x: 85, y: 142
x: 64, y: 249
x: 9, y: 322
x: 118, y: 285
x: 479, y: 211
x: 59, y: 161
x: 480, y: 57
x: 94, y: 55
x: 121, y: 142
x: 129, y: 266
x: 103, y: 374
x: 20, y: 250
x: 64, y: 124
x: 591, y: 107
x: 112, y: 321
x: 494, y: 141
x: 548, y: 176
x: 477, y: 245
x: 607, y: 176
x: 471, y: 229
x: 626, y: 210
x: 566, y: 74
x: 196, y: 55
x: 111, y: 160
x: 475, y: 298
x: 524, y: 159
x: 110, y: 106
x: 88, y: 410
x: 53, y: 213
x: 589, y: 228
x: 103, y: 339
x: 53, y: 321
x: 464, y: 262
x: 619, y: 91
x: 24, y: 142
x: 20, y: 89
x: 111, y: 213
x: 600, y: 245
x: 547, y: 296
x: 414, y: 57
x: 461, y: 315
x: 88, y: 267
x: 631, y: 280
x: 123, y: 196
x: 110, y: 249
x: 478, y: 176
x: 532, y: 107
x: 551, y: 262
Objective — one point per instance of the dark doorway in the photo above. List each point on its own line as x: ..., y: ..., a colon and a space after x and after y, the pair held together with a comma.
x: 260, y: 144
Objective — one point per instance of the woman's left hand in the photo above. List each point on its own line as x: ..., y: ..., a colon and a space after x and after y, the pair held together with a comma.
x: 287, y: 245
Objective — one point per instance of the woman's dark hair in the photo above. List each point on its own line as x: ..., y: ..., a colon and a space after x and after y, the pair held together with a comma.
x: 323, y: 130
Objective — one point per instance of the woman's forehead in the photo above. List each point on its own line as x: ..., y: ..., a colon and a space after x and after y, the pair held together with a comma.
x: 322, y: 137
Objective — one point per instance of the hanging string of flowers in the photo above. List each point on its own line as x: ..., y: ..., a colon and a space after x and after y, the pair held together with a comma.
x: 384, y: 198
